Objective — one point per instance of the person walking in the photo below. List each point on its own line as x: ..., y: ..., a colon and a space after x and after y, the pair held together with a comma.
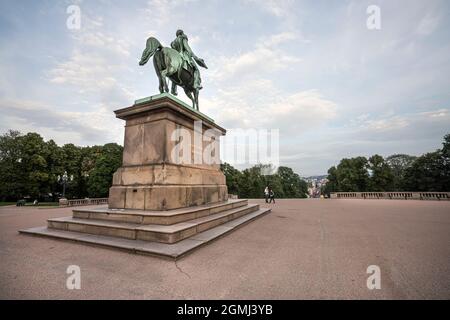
x: 266, y: 194
x: 271, y: 196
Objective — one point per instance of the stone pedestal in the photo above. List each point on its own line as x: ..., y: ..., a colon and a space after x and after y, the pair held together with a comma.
x: 63, y: 202
x: 170, y: 159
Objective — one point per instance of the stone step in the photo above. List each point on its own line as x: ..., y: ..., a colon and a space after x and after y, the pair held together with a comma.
x: 169, y: 217
x: 150, y: 232
x: 173, y: 251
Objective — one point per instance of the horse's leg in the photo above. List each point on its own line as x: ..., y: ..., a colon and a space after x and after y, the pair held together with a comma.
x: 163, y: 76
x: 189, y: 95
x: 159, y: 75
x: 196, y: 99
x: 171, y: 69
x: 174, y: 89
x: 161, y: 85
x: 161, y: 82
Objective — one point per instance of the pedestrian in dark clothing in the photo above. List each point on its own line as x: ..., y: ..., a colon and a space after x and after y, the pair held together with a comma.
x: 271, y: 196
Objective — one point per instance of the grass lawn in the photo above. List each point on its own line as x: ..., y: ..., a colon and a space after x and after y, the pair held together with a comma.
x: 6, y: 203
x: 46, y: 204
x: 30, y: 204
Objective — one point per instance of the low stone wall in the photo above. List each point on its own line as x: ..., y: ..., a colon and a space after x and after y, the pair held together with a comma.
x: 392, y: 195
x: 86, y: 202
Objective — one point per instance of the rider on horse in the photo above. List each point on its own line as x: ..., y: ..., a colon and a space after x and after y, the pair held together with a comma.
x: 178, y: 63
x: 190, y: 59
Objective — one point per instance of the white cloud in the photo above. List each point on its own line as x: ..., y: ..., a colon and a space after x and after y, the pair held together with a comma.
x: 398, y: 127
x: 428, y: 24
x: 163, y: 12
x: 100, y: 41
x: 87, y: 71
x: 265, y: 57
x: 77, y: 127
x: 259, y: 104
x: 96, y: 61
x: 278, y: 8
x: 441, y: 113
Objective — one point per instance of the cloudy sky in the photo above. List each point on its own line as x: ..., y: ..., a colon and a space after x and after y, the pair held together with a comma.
x: 311, y: 69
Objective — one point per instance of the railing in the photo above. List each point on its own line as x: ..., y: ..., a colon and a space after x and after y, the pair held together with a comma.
x: 86, y: 202
x: 392, y: 195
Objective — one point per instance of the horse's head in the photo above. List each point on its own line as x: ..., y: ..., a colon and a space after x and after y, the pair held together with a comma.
x: 152, y: 45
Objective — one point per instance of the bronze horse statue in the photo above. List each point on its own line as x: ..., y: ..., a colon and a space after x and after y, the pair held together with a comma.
x: 169, y: 63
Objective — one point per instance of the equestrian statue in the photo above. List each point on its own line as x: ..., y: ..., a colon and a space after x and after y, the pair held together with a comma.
x: 178, y: 63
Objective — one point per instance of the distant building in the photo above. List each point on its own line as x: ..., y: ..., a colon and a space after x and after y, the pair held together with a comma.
x: 315, y: 184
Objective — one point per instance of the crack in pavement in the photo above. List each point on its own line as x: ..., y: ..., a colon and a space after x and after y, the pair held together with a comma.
x: 181, y: 270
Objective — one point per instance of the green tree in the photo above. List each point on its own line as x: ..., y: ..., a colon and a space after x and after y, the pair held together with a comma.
x: 445, y: 154
x: 332, y: 185
x: 29, y: 166
x: 352, y: 175
x: 293, y: 186
x: 54, y: 159
x: 382, y: 178
x: 446, y: 147
x: 232, y: 176
x: 72, y: 157
x: 398, y: 164
x: 33, y: 165
x: 108, y: 161
x: 276, y: 183
x: 431, y: 171
x: 251, y: 182
x: 11, y: 173
x: 424, y: 174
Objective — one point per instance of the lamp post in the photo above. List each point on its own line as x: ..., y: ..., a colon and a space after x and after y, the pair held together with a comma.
x: 64, y: 180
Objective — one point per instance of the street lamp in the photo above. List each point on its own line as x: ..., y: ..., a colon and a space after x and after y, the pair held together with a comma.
x: 64, y: 180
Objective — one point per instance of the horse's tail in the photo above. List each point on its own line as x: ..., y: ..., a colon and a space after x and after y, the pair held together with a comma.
x: 152, y: 45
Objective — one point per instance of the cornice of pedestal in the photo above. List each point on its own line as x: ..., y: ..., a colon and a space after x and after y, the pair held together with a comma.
x: 166, y: 101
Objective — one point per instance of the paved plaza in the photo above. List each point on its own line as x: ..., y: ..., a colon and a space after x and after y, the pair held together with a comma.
x: 303, y: 249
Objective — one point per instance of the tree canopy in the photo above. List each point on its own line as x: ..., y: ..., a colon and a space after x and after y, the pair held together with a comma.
x: 251, y: 182
x: 29, y: 167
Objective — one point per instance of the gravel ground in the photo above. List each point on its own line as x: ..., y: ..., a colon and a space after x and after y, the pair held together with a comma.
x: 303, y: 249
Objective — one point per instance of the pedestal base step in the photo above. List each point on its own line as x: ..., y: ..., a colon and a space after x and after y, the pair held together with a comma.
x: 150, y: 232
x: 173, y: 251
x: 157, y: 217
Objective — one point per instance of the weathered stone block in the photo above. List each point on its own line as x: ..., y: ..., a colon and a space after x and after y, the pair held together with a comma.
x: 117, y: 197
x: 135, y: 198
x: 133, y: 146
x: 152, y: 178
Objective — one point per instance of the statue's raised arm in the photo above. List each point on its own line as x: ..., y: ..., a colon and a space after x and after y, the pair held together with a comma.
x: 199, y: 61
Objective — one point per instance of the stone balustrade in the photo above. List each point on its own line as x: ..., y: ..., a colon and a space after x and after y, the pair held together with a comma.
x: 392, y: 195
x: 86, y: 202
